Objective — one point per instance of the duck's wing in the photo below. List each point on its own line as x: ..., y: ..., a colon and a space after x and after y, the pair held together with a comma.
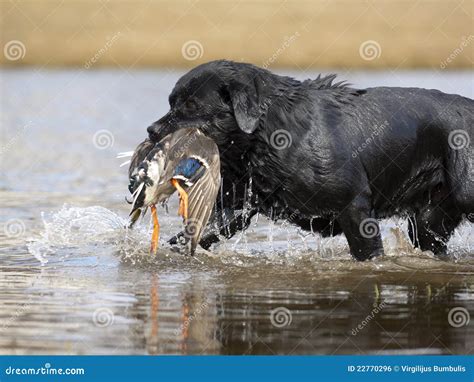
x: 199, y: 174
x: 202, y: 198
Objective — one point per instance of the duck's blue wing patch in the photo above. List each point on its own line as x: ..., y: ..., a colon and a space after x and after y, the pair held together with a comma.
x: 188, y: 169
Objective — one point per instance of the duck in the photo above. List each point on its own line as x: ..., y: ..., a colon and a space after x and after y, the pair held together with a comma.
x: 186, y: 161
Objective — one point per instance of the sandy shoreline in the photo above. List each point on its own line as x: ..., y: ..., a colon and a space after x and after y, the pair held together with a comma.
x: 298, y: 34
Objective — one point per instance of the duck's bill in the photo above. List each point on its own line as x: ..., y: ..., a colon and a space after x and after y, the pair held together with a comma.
x: 134, y: 215
x: 137, y: 204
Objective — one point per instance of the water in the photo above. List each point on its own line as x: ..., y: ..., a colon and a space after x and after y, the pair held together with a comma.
x: 73, y: 280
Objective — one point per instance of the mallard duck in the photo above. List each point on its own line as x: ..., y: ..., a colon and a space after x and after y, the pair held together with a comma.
x: 186, y: 161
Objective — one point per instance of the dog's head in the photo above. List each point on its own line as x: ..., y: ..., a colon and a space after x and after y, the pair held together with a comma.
x: 226, y: 100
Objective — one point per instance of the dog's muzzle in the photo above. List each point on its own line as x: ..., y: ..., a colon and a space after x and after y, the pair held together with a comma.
x: 154, y: 132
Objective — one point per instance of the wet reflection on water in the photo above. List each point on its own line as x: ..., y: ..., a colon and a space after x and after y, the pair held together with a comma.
x: 270, y: 291
x: 109, y: 306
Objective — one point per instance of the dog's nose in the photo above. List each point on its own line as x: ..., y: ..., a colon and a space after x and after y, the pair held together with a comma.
x: 153, y: 132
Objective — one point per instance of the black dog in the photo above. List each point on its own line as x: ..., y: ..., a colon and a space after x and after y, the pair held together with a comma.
x: 328, y: 157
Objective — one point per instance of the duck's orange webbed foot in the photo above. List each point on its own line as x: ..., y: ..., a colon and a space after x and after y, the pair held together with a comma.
x: 156, y: 231
x: 183, y: 199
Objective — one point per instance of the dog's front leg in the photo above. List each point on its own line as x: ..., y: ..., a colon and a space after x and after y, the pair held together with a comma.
x: 228, y: 229
x: 361, y: 229
x: 325, y: 227
x: 228, y: 226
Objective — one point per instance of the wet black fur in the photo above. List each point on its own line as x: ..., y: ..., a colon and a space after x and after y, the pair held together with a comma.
x: 354, y: 154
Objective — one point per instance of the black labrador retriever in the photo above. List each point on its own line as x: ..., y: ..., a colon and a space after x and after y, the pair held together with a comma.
x: 330, y: 158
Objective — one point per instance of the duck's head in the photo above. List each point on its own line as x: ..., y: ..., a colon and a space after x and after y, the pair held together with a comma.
x: 145, y: 179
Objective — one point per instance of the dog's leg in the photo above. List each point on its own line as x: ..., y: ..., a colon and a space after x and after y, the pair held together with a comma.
x: 435, y: 224
x: 228, y: 229
x: 325, y: 227
x: 232, y: 226
x: 208, y: 240
x: 361, y: 229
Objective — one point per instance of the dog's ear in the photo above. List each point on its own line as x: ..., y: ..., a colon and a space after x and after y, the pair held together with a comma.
x: 247, y: 105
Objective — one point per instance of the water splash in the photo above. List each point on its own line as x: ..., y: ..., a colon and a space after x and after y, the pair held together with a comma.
x: 280, y: 243
x: 79, y: 228
x: 75, y: 231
